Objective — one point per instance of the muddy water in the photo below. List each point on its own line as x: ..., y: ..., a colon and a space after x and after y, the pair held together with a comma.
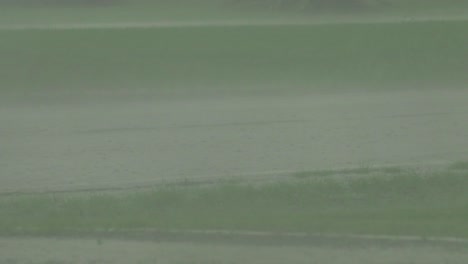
x: 58, y: 146
x: 17, y: 250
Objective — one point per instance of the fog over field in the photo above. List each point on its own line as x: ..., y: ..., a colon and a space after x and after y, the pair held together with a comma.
x: 103, y: 103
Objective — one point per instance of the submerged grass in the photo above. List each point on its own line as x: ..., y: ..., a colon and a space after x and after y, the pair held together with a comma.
x: 434, y: 204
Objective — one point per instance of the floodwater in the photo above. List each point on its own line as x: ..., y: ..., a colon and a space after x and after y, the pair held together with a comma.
x: 105, y: 143
x: 55, y: 142
x: 39, y: 250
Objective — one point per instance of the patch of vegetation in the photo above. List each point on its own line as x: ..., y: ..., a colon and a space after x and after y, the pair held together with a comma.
x: 459, y: 165
x: 402, y: 204
x: 351, y: 171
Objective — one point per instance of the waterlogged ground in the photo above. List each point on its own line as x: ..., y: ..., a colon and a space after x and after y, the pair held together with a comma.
x: 118, y: 142
x: 55, y: 142
x: 24, y: 250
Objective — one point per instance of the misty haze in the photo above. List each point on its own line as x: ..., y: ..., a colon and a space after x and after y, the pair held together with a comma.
x: 234, y: 131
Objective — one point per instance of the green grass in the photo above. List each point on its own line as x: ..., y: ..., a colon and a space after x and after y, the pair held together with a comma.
x: 233, y: 60
x: 130, y: 11
x: 189, y: 10
x: 460, y: 165
x: 352, y: 171
x: 407, y: 203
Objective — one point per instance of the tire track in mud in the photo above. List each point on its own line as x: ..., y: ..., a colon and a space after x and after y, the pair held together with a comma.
x: 259, y: 123
x: 255, y: 238
x: 219, y: 23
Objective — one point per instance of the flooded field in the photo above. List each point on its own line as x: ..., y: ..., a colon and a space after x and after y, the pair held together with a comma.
x: 120, y: 251
x: 225, y: 132
x: 91, y: 145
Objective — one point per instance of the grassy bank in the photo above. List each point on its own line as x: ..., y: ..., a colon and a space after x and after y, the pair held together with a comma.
x: 236, y: 60
x: 389, y: 202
